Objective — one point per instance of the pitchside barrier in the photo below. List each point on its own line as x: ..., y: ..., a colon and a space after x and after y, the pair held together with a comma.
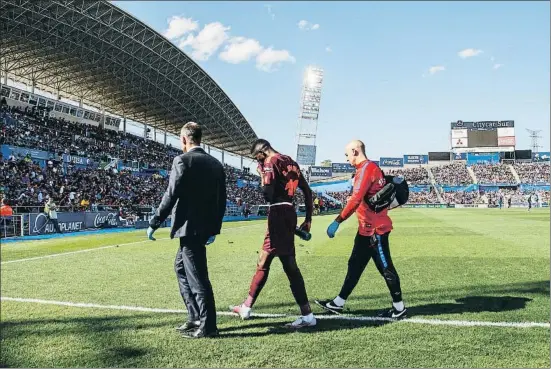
x: 40, y: 223
x: 470, y: 206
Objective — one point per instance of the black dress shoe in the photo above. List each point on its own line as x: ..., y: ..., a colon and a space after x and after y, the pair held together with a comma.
x: 188, y: 326
x: 199, y: 333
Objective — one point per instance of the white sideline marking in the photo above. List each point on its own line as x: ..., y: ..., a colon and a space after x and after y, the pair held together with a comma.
x: 456, y: 323
x: 104, y: 247
x: 79, y: 251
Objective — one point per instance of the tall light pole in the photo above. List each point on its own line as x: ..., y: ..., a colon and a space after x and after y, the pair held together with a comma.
x: 308, y: 116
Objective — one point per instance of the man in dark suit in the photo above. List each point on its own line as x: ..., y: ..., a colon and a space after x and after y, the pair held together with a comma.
x: 197, y: 187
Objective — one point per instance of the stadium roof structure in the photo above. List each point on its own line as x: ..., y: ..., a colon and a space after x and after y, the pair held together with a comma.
x: 94, y: 52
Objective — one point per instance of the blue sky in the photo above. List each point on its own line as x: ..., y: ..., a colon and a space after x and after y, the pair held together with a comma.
x: 396, y: 73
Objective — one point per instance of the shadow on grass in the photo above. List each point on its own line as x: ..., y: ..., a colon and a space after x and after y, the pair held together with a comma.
x: 469, y: 304
x: 537, y: 288
x: 104, y: 334
x: 279, y: 328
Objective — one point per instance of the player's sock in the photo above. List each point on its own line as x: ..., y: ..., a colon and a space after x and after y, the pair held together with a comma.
x: 339, y: 301
x: 308, y: 318
x: 399, y: 306
x: 249, y: 301
x: 258, y: 282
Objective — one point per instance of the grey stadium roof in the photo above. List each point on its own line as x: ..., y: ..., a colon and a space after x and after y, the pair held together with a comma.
x: 95, y: 52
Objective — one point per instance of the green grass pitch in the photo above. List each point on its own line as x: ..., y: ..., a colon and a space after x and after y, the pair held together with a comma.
x: 461, y: 265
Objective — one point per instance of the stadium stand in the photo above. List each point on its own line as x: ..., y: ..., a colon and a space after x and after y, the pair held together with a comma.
x: 414, y: 176
x: 493, y: 174
x: 533, y: 173
x: 461, y: 197
x: 26, y: 128
x: 454, y: 174
x: 423, y: 197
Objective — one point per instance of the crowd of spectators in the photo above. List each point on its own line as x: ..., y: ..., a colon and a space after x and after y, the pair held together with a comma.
x: 341, y: 196
x: 533, y: 173
x: 27, y: 186
x: 423, y: 197
x: 32, y: 129
x: 461, y: 197
x: 455, y: 174
x: 414, y: 176
x: 493, y: 174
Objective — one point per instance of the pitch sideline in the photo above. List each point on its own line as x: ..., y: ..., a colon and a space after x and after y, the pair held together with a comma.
x: 108, y: 247
x: 455, y: 323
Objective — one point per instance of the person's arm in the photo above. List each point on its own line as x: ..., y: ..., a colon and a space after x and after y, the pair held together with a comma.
x: 222, y: 196
x: 361, y: 185
x: 308, y: 202
x: 171, y: 194
x: 268, y: 181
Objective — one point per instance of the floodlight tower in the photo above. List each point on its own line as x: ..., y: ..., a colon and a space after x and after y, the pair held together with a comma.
x: 308, y: 117
x: 534, y: 136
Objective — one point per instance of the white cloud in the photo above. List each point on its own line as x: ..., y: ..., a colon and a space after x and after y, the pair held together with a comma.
x: 329, y: 49
x: 468, y: 53
x: 179, y: 26
x: 307, y: 26
x: 203, y: 44
x: 436, y: 69
x: 240, y: 49
x: 207, y: 42
x: 269, y: 59
x: 497, y: 66
x: 270, y: 11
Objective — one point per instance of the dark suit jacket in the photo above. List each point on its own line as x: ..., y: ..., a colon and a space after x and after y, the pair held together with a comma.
x: 198, y: 189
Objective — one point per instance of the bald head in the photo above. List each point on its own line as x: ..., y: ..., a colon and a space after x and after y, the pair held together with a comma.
x: 355, y: 152
x: 356, y: 144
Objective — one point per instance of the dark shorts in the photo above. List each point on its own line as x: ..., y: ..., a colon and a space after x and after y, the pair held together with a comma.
x: 280, y: 236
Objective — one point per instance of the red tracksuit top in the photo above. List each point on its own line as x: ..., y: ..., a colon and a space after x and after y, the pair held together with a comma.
x: 368, y: 180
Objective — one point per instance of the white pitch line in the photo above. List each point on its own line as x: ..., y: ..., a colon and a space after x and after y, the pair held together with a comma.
x: 456, y: 323
x: 102, y: 248
x: 77, y: 252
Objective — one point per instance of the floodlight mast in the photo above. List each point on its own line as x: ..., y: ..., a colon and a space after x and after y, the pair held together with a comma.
x: 308, y: 116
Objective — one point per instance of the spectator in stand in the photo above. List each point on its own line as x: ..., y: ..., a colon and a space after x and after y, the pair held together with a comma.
x: 423, y: 197
x: 533, y: 173
x: 5, y: 209
x: 27, y: 129
x: 414, y: 176
x: 461, y: 197
x: 493, y: 174
x: 85, y: 204
x: 455, y: 174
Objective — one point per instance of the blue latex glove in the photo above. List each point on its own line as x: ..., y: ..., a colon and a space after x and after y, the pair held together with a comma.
x: 332, y: 229
x: 211, y: 240
x: 150, y: 232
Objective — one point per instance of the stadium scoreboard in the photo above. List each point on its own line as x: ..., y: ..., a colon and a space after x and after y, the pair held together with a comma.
x: 482, y: 136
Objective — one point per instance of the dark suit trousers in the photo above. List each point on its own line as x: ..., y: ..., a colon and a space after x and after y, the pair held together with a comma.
x: 193, y: 279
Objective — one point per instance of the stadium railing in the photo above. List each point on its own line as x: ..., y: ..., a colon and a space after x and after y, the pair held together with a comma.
x: 12, y: 226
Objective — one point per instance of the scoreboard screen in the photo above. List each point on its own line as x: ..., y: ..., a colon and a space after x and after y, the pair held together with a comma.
x: 489, y: 134
x: 482, y: 138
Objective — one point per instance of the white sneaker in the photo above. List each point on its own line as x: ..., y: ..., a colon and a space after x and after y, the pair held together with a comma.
x: 241, y: 310
x: 302, y: 322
